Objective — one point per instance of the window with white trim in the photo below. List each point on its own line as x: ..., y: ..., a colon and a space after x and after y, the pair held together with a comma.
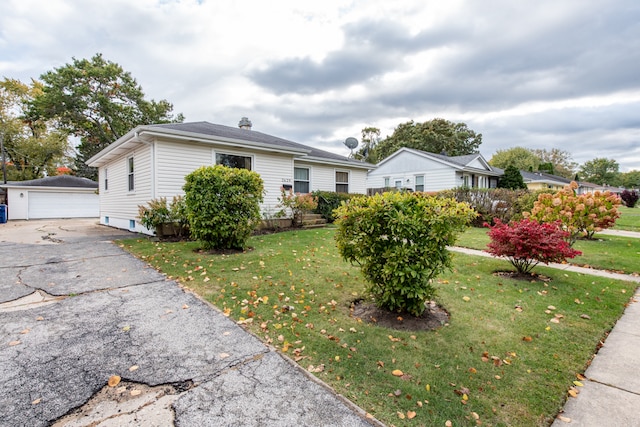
x: 419, y: 183
x: 342, y: 182
x: 233, y: 161
x: 301, y: 182
x: 386, y: 182
x: 130, y: 174
x: 106, y: 179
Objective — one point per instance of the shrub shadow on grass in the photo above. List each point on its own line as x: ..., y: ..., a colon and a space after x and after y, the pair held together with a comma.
x: 433, y: 317
x: 521, y: 276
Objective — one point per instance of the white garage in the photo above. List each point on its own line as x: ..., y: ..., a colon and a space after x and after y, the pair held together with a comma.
x: 61, y: 196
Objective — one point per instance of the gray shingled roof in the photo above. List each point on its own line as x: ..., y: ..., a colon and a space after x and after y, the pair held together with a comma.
x: 56, y: 181
x: 210, y: 129
x: 542, y: 176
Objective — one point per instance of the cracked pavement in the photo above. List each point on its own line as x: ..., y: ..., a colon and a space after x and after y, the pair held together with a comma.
x: 76, y: 309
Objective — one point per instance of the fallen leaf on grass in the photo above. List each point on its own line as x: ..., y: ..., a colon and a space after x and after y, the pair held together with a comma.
x: 527, y: 339
x: 448, y: 424
x: 466, y: 299
x: 411, y: 414
x: 578, y: 383
x: 401, y: 415
x: 397, y: 373
x: 555, y: 320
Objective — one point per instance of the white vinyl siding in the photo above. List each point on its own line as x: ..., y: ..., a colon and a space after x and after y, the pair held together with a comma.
x: 119, y: 204
x: 406, y: 165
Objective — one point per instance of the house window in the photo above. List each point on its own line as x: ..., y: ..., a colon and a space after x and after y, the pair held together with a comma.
x: 130, y: 171
x: 420, y: 183
x: 301, y: 180
x: 106, y: 179
x: 386, y: 182
x: 398, y: 183
x: 342, y: 182
x: 233, y: 161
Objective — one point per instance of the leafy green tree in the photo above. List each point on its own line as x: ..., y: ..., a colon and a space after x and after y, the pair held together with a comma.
x: 562, y: 164
x: 33, y: 149
x: 97, y: 101
x: 370, y: 140
x: 512, y: 179
x: 434, y: 136
x: 223, y: 205
x: 601, y: 171
x: 400, y: 242
x: 519, y: 157
x: 630, y: 179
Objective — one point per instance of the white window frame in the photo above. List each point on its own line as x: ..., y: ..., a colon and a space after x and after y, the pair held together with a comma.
x: 297, y: 181
x: 337, y: 183
x: 131, y: 174
x: 106, y: 179
x: 415, y: 180
x: 387, y: 181
x: 397, y: 184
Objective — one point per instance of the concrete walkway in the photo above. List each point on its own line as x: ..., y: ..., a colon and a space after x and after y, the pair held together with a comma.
x: 90, y: 335
x: 610, y: 396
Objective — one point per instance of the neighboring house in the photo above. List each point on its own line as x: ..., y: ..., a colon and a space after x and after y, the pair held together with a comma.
x: 419, y: 170
x: 587, y: 187
x: 151, y: 162
x: 543, y: 181
x: 61, y: 196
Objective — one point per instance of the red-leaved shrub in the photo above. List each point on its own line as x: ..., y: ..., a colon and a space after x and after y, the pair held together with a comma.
x: 526, y: 243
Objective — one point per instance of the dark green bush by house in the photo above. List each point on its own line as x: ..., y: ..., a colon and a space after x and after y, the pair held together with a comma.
x: 328, y: 201
x: 223, y: 205
x: 400, y: 240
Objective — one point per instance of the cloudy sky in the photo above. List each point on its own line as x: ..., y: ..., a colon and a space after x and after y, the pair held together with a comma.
x: 536, y: 74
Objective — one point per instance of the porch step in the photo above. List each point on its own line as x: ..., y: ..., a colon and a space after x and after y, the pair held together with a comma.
x: 313, y: 221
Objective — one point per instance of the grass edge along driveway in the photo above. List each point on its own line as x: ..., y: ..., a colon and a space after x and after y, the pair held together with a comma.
x: 508, y: 355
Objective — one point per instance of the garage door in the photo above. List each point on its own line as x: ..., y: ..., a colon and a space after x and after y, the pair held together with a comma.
x: 63, y: 205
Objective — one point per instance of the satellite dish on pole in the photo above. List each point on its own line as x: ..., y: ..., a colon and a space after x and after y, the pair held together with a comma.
x: 351, y: 143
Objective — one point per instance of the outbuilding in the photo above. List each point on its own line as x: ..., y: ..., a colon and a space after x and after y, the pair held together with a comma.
x: 62, y: 196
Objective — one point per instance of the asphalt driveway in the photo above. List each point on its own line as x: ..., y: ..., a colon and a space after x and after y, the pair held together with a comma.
x: 76, y: 311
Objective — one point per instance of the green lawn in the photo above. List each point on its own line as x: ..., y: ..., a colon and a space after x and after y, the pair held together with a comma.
x: 630, y: 219
x: 621, y: 254
x: 500, y: 359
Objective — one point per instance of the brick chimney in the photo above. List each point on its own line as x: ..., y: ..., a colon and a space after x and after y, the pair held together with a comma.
x: 245, y: 123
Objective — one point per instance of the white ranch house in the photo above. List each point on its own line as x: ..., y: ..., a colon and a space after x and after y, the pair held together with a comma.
x: 151, y: 162
x: 419, y: 170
